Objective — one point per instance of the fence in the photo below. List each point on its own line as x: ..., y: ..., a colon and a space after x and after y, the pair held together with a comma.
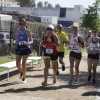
x: 36, y: 28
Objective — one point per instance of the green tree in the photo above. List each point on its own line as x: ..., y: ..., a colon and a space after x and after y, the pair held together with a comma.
x: 91, y: 16
x: 27, y: 3
x: 57, y: 6
x: 50, y: 5
x: 39, y: 4
x: 45, y: 4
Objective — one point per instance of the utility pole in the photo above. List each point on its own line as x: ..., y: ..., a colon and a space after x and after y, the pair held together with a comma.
x: 1, y: 6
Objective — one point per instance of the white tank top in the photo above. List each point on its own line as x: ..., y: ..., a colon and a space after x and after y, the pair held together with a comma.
x: 74, y: 46
x: 93, y: 46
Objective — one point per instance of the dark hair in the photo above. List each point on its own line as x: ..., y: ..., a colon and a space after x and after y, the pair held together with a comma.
x: 94, y: 29
x: 59, y: 25
x: 75, y: 27
x: 23, y: 20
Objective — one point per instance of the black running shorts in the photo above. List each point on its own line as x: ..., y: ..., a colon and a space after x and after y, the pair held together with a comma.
x: 61, y: 54
x: 23, y: 52
x: 52, y: 57
x: 94, y: 56
x: 75, y: 55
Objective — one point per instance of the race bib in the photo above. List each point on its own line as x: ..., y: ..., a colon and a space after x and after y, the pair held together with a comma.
x: 49, y: 51
x: 94, y: 49
x: 21, y: 43
x: 75, y: 47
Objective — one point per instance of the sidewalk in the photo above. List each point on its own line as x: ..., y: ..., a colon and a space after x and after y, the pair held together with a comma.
x: 32, y: 90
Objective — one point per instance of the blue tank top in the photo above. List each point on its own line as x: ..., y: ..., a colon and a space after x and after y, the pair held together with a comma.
x: 21, y: 39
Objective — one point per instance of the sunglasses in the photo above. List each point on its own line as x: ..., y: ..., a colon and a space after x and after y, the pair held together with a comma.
x: 21, y: 23
x: 94, y: 31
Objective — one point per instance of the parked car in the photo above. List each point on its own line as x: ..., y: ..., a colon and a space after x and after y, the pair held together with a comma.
x: 5, y: 38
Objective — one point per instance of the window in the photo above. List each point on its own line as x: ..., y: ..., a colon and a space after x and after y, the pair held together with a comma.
x: 62, y: 12
x: 44, y: 19
x: 47, y: 19
x: 1, y: 36
x: 8, y: 36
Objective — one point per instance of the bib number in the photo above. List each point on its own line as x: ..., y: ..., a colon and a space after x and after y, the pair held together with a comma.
x: 74, y: 48
x: 94, y: 49
x: 49, y: 51
x: 21, y: 43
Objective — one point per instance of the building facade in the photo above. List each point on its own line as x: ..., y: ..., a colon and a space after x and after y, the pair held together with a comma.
x: 9, y: 3
x: 63, y: 14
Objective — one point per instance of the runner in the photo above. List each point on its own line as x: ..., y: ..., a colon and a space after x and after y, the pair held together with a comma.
x: 76, y: 43
x: 50, y: 53
x: 22, y: 41
x: 93, y: 54
x: 63, y: 39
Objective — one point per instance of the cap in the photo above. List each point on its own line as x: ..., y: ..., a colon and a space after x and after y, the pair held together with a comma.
x: 59, y: 25
x: 50, y: 27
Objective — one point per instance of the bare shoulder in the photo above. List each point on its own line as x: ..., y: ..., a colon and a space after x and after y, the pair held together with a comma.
x: 55, y: 36
x: 28, y: 30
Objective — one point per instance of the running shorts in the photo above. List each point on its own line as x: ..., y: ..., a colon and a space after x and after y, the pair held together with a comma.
x: 23, y: 52
x: 75, y: 55
x: 94, y: 56
x: 52, y: 57
x: 60, y: 54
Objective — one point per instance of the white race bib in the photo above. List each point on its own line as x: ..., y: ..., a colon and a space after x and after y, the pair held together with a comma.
x: 21, y: 43
x: 94, y: 49
x: 49, y: 51
x: 74, y: 47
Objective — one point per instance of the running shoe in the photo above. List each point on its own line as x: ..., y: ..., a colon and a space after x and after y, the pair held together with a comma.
x: 76, y: 81
x: 70, y: 82
x: 23, y: 80
x: 93, y: 81
x: 63, y: 67
x: 57, y: 73
x: 89, y: 78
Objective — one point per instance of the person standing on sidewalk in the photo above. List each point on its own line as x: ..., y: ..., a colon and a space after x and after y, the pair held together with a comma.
x: 76, y: 43
x: 93, y: 54
x: 63, y: 39
x: 22, y: 41
x: 50, y: 53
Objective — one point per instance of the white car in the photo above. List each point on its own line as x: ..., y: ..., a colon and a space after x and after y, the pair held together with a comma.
x: 5, y: 38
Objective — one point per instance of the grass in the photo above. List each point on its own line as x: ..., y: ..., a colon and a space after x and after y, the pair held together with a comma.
x: 2, y: 61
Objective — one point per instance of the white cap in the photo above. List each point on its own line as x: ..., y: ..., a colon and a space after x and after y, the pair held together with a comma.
x: 51, y: 26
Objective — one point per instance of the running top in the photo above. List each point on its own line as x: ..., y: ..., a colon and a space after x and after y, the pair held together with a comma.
x: 21, y: 39
x: 62, y: 37
x: 74, y: 46
x: 93, y: 46
x: 50, y: 49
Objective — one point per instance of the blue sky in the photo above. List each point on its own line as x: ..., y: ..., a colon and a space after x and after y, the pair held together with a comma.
x: 69, y: 3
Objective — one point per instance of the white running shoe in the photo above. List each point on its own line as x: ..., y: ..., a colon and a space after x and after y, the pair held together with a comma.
x: 23, y: 81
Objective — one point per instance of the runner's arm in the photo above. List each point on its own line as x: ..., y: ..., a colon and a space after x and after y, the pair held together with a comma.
x: 30, y: 37
x: 81, y: 44
x: 56, y: 43
x: 66, y: 40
